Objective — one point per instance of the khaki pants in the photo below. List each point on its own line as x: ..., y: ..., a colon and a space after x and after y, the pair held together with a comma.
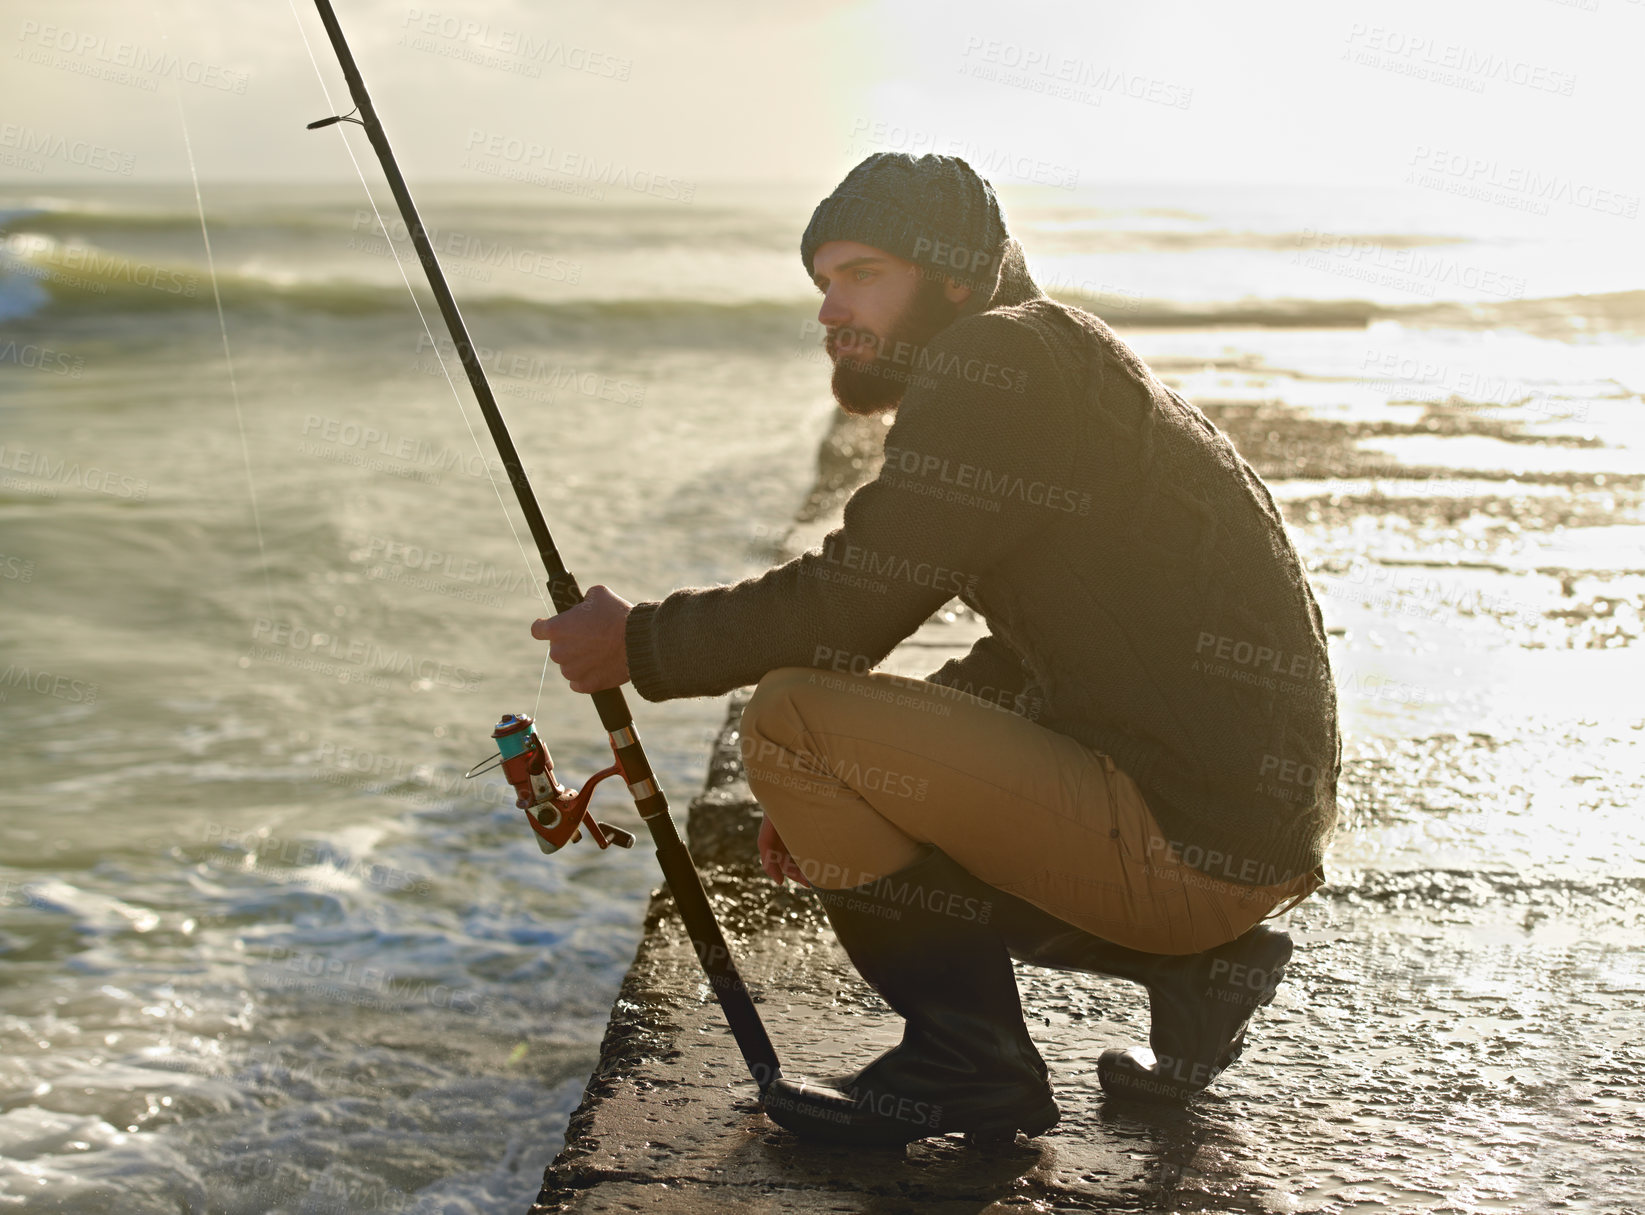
x: 857, y: 771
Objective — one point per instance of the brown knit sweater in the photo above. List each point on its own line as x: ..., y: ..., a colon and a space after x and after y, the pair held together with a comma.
x: 1141, y: 592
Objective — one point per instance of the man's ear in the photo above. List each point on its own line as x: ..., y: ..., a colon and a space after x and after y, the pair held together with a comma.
x: 956, y: 293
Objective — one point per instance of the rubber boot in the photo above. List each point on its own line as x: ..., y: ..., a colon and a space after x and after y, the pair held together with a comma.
x: 1199, y: 1004
x: 923, y: 938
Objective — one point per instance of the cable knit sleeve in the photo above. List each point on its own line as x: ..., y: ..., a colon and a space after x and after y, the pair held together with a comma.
x: 977, y: 461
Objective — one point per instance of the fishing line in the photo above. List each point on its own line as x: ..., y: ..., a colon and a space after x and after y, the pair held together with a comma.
x: 434, y: 345
x: 222, y: 328
x: 557, y: 821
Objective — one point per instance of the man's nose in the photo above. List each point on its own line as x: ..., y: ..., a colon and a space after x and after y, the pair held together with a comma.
x: 833, y: 314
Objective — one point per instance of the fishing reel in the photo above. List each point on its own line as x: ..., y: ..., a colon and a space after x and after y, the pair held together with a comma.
x: 557, y: 815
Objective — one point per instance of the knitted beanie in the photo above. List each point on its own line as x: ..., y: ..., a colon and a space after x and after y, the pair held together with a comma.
x: 932, y: 210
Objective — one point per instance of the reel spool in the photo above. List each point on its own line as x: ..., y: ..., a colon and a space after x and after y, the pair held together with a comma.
x: 557, y: 815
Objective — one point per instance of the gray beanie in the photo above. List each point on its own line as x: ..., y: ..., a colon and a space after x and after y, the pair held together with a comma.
x: 933, y: 210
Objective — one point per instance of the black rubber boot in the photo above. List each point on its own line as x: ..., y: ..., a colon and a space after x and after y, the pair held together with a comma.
x: 1199, y: 1004
x: 923, y: 938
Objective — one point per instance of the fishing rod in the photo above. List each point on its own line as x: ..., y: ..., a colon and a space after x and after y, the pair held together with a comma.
x: 556, y: 815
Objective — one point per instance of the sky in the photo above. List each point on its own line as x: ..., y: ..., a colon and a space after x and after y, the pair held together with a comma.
x: 1278, y: 91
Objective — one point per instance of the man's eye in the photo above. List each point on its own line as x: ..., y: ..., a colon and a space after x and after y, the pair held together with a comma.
x: 863, y: 273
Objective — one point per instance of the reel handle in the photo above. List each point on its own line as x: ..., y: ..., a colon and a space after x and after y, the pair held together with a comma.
x: 557, y: 815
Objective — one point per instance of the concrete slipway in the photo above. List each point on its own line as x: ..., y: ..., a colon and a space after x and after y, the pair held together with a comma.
x: 1462, y: 1028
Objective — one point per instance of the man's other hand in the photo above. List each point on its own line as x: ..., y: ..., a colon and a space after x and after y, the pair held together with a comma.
x: 774, y: 855
x: 586, y: 642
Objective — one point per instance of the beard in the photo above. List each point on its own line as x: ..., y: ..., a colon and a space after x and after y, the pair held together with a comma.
x: 869, y: 383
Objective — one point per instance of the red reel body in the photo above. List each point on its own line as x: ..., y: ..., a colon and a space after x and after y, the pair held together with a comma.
x: 557, y: 815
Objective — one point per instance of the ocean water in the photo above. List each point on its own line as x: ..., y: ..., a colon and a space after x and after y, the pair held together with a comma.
x: 262, y: 947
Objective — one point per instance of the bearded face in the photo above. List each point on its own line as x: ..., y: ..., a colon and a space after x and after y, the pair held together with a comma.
x: 868, y: 378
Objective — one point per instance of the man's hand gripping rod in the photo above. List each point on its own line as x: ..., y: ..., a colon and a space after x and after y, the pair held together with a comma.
x: 678, y: 868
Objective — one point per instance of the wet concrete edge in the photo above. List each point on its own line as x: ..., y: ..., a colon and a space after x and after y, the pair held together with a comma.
x: 722, y: 823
